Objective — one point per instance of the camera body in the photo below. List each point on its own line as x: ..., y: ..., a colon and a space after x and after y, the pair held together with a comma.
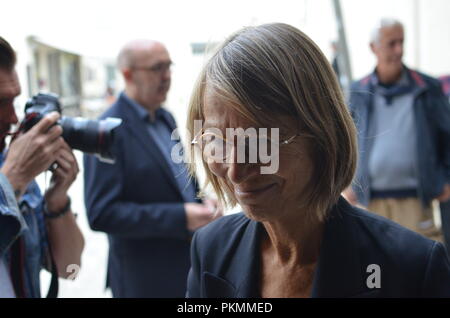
x: 39, y: 106
x: 89, y: 136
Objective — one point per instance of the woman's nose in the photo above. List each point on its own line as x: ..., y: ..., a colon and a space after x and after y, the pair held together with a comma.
x: 238, y: 171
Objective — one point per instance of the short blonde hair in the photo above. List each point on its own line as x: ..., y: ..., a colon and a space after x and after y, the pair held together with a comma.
x: 275, y: 69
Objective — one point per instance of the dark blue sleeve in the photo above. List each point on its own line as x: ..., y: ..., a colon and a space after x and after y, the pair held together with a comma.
x: 437, y: 275
x: 109, y: 212
x: 440, y: 111
x: 193, y: 281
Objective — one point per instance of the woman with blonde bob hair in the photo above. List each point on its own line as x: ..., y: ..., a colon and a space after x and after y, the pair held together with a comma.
x: 296, y: 237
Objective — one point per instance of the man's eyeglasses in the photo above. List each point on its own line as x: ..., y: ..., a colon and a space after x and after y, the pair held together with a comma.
x: 157, y: 68
x: 249, y: 149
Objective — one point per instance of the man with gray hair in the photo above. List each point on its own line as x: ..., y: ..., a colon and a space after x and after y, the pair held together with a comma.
x: 145, y: 202
x: 403, y: 120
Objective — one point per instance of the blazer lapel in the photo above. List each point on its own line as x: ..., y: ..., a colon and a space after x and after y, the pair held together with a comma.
x: 240, y: 278
x: 340, y: 272
x: 173, y: 125
x: 248, y: 263
x: 169, y: 119
x: 217, y: 287
x: 137, y: 128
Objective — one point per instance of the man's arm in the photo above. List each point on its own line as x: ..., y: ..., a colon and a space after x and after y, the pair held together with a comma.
x: 64, y: 235
x: 109, y: 212
x: 30, y: 154
x: 440, y: 111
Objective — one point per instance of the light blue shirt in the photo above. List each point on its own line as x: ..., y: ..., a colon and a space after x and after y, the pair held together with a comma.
x: 393, y: 157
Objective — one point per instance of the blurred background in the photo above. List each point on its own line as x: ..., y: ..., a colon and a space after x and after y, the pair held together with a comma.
x: 69, y: 48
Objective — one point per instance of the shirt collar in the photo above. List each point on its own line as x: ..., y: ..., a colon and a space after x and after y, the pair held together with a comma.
x: 141, y: 111
x: 403, y: 81
x: 138, y: 108
x: 159, y: 114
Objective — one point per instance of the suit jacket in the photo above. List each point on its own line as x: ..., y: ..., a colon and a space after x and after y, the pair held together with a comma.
x: 138, y: 203
x: 225, y: 259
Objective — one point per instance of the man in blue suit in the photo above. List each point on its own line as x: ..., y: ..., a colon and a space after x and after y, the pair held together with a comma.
x: 145, y: 202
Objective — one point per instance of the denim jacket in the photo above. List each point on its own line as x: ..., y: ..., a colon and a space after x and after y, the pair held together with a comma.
x: 23, y: 220
x: 432, y: 118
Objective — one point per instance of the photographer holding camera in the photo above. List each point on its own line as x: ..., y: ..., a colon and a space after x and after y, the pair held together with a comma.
x: 35, y: 231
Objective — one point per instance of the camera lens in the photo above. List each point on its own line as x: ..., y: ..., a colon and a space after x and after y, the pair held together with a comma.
x: 91, y: 136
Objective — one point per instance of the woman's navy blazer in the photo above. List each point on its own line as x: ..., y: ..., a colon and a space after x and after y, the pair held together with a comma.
x: 362, y: 255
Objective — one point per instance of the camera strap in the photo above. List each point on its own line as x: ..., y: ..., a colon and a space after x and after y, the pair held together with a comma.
x: 53, y: 289
x: 18, y: 265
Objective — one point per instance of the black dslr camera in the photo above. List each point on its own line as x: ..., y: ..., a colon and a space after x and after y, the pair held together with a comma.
x: 90, y: 136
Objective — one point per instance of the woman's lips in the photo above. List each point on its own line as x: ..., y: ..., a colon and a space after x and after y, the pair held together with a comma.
x: 244, y: 194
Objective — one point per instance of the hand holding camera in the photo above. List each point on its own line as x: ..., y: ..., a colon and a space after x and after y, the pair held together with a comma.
x: 45, y: 139
x: 64, y: 174
x: 33, y: 152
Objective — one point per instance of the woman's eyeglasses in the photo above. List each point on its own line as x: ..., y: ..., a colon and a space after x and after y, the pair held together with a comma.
x: 252, y: 148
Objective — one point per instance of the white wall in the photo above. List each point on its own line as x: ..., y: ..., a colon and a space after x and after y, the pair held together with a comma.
x: 98, y: 28
x: 427, y: 28
x: 434, y: 34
